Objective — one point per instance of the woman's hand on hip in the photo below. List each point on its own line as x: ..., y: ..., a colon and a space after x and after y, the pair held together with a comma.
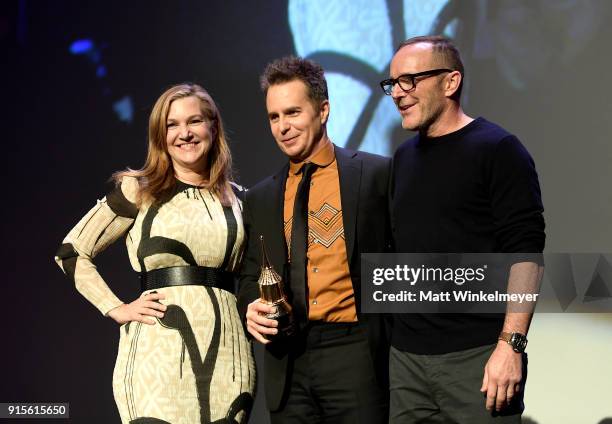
x: 143, y: 309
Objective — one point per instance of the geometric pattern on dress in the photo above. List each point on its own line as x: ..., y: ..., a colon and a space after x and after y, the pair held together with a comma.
x: 155, y: 374
x: 325, y: 226
x: 194, y: 219
x: 203, y: 369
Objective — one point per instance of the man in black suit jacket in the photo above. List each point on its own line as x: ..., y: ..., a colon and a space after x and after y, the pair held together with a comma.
x: 335, y: 368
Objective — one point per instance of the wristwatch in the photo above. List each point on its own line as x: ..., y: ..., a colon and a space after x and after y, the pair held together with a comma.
x: 518, y: 341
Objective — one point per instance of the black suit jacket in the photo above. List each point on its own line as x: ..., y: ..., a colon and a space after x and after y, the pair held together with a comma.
x: 364, y: 180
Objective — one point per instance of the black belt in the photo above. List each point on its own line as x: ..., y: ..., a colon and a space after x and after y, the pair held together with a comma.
x: 317, y: 332
x: 187, y: 275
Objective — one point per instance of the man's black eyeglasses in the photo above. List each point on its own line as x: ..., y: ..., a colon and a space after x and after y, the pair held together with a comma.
x: 407, y: 82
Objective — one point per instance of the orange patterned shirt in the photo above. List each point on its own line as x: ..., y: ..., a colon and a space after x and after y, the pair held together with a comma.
x: 330, y: 290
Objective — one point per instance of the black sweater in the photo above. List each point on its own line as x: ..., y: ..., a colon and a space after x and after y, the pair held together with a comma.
x: 474, y: 190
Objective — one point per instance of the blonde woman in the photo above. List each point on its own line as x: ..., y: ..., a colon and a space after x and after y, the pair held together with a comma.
x: 183, y: 355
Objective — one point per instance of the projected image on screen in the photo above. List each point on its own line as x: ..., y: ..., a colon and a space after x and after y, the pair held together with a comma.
x: 355, y: 40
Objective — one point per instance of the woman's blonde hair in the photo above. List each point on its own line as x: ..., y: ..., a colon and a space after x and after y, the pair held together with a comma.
x: 156, y: 178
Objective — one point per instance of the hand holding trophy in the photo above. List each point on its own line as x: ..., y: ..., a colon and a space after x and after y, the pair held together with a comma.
x: 271, y: 293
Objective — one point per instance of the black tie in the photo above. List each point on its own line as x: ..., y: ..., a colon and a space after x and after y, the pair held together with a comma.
x: 299, y: 247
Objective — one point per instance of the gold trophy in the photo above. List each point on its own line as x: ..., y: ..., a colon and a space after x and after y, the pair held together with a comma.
x: 271, y: 293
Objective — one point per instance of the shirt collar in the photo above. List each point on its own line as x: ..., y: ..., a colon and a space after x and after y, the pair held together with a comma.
x: 322, y: 158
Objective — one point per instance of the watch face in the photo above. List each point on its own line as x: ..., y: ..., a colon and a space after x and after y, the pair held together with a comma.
x: 518, y: 342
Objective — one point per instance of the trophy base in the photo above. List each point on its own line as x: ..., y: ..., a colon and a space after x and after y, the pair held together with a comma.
x: 286, y: 326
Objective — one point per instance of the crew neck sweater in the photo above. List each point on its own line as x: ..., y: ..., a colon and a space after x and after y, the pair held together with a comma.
x: 474, y: 190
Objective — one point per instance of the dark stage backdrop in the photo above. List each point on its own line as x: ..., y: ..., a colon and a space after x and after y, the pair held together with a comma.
x: 79, y: 80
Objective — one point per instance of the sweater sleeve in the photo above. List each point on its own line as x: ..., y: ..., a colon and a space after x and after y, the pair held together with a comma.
x: 105, y: 223
x: 516, y: 199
